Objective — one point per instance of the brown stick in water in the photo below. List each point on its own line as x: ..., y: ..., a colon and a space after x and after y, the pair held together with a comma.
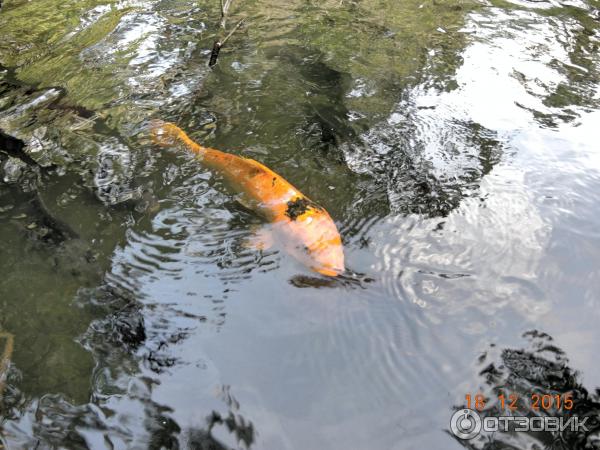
x: 5, y: 358
x: 214, y: 54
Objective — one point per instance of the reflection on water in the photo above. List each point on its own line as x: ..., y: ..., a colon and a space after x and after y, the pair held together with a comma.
x: 453, y: 143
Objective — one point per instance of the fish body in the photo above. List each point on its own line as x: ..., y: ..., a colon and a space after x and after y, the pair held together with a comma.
x: 304, y: 228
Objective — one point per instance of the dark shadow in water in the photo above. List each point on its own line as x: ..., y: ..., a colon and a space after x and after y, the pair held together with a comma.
x: 348, y: 279
x: 541, y: 368
x: 468, y: 150
x: 326, y: 118
x: 14, y: 147
x: 241, y: 429
x: 39, y: 225
x: 122, y: 325
x: 49, y: 228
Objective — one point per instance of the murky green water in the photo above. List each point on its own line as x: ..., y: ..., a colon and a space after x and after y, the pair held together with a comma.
x: 455, y: 144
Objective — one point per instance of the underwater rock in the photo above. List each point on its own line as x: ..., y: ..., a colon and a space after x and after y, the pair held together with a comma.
x: 12, y: 170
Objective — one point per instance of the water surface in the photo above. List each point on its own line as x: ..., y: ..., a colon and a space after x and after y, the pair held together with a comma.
x: 454, y: 144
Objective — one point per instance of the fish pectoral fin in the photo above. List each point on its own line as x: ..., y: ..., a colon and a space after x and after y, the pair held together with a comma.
x: 261, y: 238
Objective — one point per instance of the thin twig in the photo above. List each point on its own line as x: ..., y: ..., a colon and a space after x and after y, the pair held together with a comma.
x: 233, y: 30
x: 224, y: 10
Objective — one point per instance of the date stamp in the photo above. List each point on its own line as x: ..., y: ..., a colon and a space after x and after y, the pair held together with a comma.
x: 512, y: 402
x: 552, y: 412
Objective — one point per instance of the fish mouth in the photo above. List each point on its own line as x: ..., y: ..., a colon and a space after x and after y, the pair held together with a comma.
x: 161, y: 132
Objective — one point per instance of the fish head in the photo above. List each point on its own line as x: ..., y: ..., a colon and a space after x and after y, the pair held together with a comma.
x: 163, y: 133
x: 314, y: 240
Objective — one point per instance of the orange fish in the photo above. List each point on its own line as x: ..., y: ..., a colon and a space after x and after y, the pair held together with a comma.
x: 304, y: 228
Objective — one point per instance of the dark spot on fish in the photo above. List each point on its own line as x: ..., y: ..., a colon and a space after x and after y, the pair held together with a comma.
x: 255, y: 171
x: 273, y: 182
x: 299, y: 206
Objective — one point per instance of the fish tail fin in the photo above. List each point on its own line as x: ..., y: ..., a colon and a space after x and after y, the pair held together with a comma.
x: 167, y: 134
